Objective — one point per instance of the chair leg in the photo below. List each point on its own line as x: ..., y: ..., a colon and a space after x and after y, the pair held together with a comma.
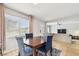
x: 19, y: 54
x: 51, y: 52
x: 45, y: 53
x: 1, y: 52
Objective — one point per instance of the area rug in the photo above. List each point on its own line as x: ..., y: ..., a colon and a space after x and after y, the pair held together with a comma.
x: 55, y: 52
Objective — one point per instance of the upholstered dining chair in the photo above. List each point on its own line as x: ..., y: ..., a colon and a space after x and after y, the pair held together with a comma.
x: 47, y: 46
x: 29, y: 35
x: 45, y: 36
x: 23, y: 51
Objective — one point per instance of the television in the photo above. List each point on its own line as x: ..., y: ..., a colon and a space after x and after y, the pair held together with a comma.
x: 61, y: 31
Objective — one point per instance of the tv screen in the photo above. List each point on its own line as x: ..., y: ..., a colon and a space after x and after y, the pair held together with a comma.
x: 62, y: 31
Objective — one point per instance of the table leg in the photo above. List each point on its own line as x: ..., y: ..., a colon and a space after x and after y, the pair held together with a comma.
x: 34, y: 51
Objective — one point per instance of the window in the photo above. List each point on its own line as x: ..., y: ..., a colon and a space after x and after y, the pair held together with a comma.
x: 24, y: 26
x: 14, y: 26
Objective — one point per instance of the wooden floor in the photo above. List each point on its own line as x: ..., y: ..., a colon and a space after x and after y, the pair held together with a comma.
x: 11, y: 53
x: 67, y: 49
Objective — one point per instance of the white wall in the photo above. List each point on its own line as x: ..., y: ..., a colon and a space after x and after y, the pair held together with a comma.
x: 72, y: 26
x: 37, y: 26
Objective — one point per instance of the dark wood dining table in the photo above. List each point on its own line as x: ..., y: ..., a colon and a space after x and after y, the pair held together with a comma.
x: 34, y: 43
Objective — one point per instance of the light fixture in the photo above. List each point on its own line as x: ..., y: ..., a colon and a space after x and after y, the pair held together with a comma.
x: 58, y: 23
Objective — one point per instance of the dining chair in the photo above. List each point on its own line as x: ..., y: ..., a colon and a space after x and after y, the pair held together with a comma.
x: 29, y: 35
x: 23, y: 51
x: 45, y: 36
x: 47, y: 46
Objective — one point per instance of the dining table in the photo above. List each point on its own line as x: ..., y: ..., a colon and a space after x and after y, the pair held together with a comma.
x: 34, y: 43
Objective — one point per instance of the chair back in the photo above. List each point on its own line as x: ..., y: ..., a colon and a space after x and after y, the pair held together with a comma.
x: 21, y: 45
x: 45, y: 36
x: 49, y: 42
x: 29, y: 35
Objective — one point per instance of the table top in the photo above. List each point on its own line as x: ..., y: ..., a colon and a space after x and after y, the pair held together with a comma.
x: 34, y: 42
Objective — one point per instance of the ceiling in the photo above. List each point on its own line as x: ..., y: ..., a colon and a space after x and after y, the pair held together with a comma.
x: 46, y: 11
